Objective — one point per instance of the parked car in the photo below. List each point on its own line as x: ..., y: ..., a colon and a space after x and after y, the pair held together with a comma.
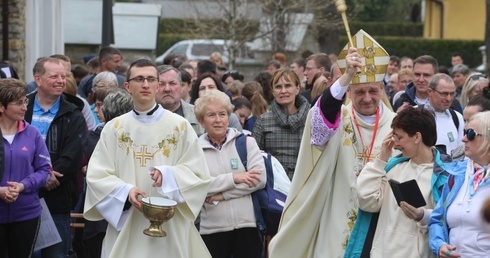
x: 202, y: 48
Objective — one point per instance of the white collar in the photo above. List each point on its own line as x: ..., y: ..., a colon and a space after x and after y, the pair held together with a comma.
x: 371, y: 120
x: 149, y: 116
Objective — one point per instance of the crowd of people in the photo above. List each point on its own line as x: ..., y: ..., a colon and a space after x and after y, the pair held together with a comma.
x: 96, y: 141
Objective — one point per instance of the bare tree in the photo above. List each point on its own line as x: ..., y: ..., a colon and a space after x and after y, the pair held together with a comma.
x: 228, y: 20
x: 242, y: 21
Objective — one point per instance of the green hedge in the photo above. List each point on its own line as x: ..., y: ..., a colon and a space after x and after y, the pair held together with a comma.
x: 439, y: 49
x: 404, y: 39
x: 395, y: 29
x: 402, y: 29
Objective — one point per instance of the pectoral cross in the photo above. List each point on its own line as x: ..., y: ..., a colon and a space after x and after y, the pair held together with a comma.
x: 143, y: 156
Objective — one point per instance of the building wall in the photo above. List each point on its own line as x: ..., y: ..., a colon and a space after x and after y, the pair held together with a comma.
x: 16, y: 36
x: 461, y: 19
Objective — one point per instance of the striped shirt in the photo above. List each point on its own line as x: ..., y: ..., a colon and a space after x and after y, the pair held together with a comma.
x: 41, y: 119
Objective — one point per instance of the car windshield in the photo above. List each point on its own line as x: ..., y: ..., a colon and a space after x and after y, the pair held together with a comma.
x: 206, y: 49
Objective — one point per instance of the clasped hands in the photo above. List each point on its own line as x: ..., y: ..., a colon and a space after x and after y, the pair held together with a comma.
x: 11, y: 192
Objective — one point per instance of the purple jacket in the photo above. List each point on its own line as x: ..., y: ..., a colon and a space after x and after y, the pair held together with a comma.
x: 26, y: 161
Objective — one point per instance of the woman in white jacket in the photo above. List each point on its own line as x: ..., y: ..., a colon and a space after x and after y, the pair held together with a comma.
x: 228, y: 225
x: 401, y: 230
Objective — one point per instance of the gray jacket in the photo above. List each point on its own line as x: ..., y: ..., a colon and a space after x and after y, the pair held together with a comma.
x: 191, y: 117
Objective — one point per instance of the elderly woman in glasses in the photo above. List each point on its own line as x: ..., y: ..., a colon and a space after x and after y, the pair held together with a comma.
x: 279, y: 131
x: 472, y: 87
x: 228, y: 225
x: 456, y: 227
x: 27, y: 168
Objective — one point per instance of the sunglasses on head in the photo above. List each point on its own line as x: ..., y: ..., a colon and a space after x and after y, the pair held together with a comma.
x: 471, y: 134
x: 231, y: 72
x: 478, y: 76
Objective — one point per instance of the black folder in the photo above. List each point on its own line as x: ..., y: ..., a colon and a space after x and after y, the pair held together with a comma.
x: 408, y: 191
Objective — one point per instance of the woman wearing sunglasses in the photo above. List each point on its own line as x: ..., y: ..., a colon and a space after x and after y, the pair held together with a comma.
x: 456, y: 226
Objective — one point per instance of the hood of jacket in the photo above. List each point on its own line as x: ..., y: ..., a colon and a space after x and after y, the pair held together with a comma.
x: 410, y: 91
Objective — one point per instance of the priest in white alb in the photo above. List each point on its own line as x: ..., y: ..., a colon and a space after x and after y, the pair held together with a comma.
x: 338, y: 140
x: 148, y: 151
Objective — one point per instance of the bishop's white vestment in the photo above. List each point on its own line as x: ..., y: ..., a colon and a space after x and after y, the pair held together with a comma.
x: 321, y: 207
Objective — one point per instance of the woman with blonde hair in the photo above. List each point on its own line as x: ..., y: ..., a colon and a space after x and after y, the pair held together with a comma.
x: 473, y: 86
x: 279, y: 131
x: 235, y: 89
x: 456, y: 226
x: 253, y: 92
x: 217, y: 59
x: 319, y: 86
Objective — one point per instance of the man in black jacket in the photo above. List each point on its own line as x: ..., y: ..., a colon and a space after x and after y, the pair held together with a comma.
x: 58, y: 117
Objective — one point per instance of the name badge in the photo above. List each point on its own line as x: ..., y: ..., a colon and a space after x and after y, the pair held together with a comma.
x: 234, y: 163
x: 450, y: 136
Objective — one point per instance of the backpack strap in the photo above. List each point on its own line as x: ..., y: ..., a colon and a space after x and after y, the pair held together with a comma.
x: 241, y: 148
x: 454, y: 117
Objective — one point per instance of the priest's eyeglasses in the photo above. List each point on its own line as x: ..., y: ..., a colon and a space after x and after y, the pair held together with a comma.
x: 471, y: 134
x: 141, y: 79
x: 20, y: 103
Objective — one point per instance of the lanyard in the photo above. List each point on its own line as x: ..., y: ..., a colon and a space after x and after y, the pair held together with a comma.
x: 371, y: 146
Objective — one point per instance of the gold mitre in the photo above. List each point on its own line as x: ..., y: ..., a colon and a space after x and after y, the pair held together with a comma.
x: 373, y: 57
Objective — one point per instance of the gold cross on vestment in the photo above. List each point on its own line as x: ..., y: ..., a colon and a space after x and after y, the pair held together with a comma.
x: 143, y: 156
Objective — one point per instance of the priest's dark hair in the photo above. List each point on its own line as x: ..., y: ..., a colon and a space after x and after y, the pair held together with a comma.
x: 140, y: 63
x: 417, y: 120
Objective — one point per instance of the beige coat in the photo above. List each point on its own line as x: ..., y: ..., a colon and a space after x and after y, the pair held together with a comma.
x: 236, y: 211
x: 396, y: 234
